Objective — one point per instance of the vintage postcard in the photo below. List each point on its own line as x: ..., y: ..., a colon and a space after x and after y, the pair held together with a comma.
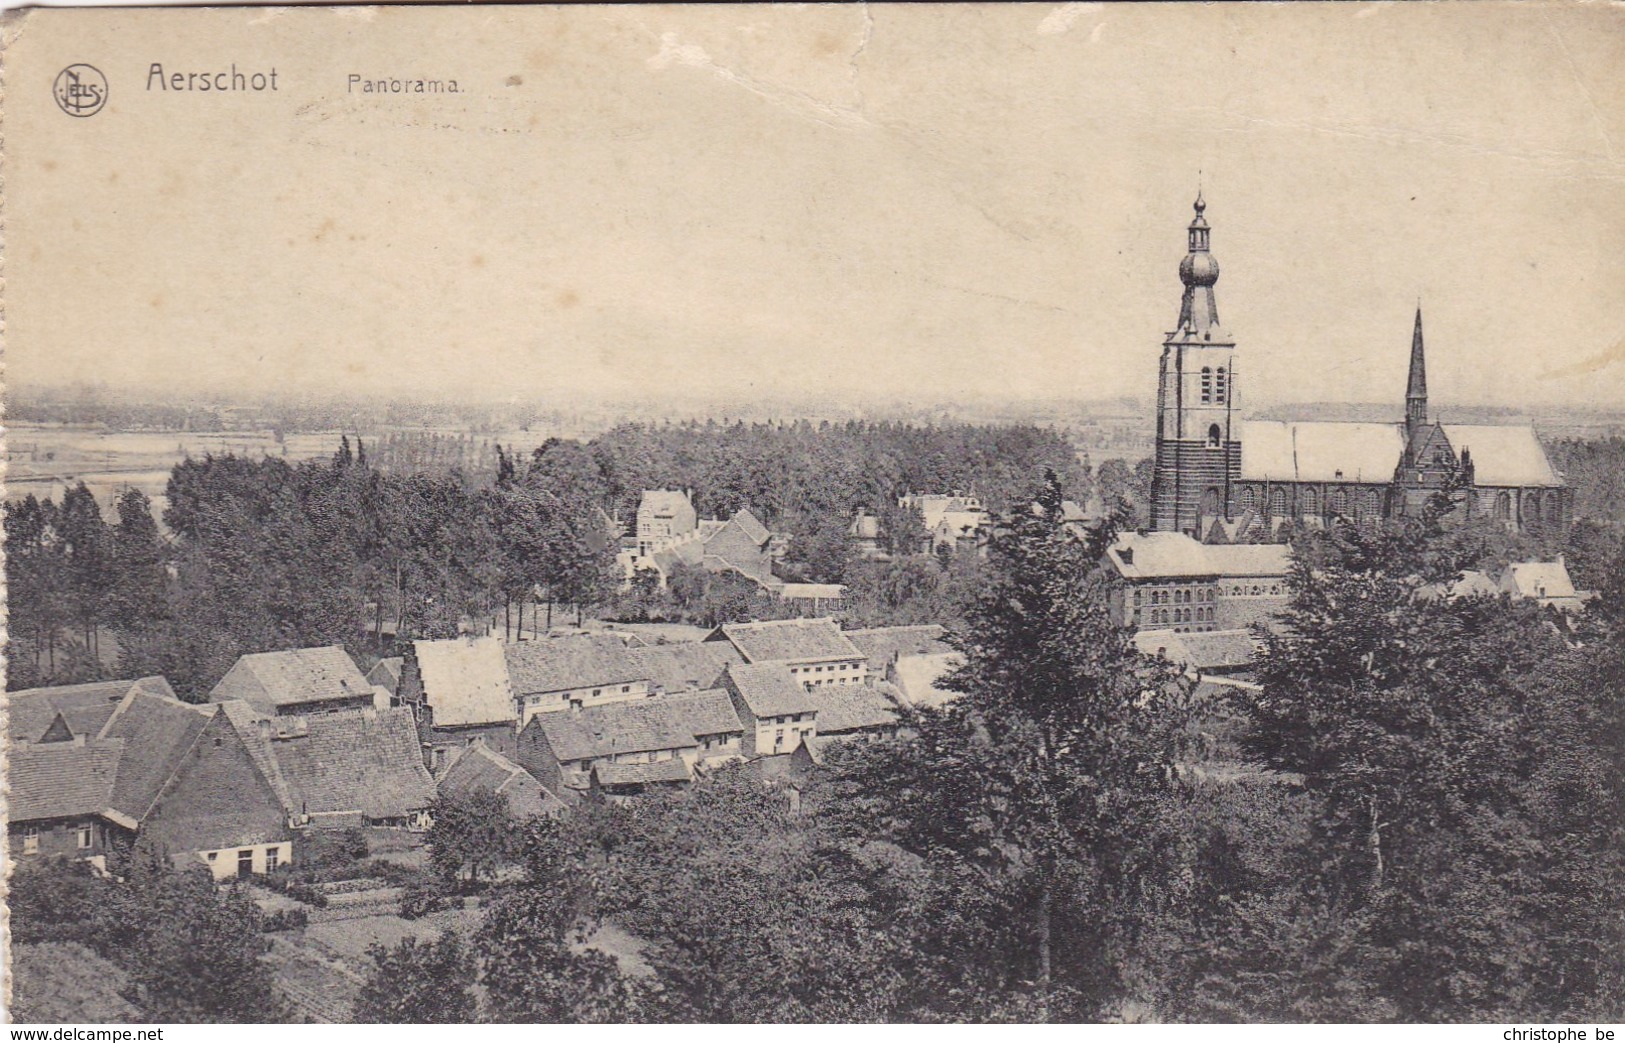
x: 815, y: 513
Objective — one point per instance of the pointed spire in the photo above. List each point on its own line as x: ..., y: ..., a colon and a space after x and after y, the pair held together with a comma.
x: 1416, y: 389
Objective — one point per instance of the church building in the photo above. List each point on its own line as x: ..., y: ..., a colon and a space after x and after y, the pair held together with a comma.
x: 1246, y: 476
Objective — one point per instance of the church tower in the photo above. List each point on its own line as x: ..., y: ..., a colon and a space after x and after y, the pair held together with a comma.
x: 1198, y: 460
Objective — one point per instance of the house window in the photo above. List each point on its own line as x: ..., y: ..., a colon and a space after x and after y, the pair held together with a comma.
x: 270, y: 859
x: 85, y: 837
x: 245, y: 862
x: 30, y: 840
x: 597, y: 691
x: 626, y: 688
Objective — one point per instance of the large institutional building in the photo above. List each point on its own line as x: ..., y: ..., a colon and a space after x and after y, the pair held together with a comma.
x: 1214, y: 468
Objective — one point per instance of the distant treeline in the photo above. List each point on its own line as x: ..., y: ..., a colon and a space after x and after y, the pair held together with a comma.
x: 1595, y: 471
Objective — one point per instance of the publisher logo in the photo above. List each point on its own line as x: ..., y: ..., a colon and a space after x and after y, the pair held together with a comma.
x: 80, y: 90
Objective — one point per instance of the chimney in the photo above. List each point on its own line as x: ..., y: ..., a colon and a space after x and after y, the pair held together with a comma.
x: 1126, y: 554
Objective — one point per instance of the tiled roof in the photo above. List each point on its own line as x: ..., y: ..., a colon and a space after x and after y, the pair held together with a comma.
x: 710, y: 712
x: 1540, y: 579
x: 663, y: 501
x: 1156, y: 554
x: 918, y: 677
x: 157, y: 733
x: 850, y: 707
x: 465, y: 680
x: 61, y: 779
x: 246, y: 721
x: 478, y: 768
x: 355, y: 760
x: 673, y: 770
x: 636, y: 726
x: 768, y: 689
x: 1203, y: 650
x: 1503, y: 454
x: 1321, y: 451
x: 563, y: 663
x: 883, y: 644
x: 751, y: 527
x: 1249, y: 559
x: 85, y: 707
x: 386, y: 672
x: 684, y: 665
x: 294, y: 676
x: 789, y: 640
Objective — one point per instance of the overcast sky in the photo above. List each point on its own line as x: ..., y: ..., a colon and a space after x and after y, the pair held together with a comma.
x: 935, y: 203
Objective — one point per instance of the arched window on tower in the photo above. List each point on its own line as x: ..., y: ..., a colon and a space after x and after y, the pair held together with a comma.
x: 1220, y: 388
x: 1213, y: 436
x: 1207, y: 384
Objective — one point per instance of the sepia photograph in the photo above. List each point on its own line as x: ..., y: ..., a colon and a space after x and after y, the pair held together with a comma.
x: 717, y: 515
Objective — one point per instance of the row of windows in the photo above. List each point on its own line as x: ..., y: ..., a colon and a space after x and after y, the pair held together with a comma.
x: 1338, y: 501
x: 1255, y: 590
x: 1167, y: 616
x: 86, y: 838
x: 1182, y: 596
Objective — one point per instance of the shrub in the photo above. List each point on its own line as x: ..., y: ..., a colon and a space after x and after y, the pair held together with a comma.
x: 421, y: 899
x: 284, y: 920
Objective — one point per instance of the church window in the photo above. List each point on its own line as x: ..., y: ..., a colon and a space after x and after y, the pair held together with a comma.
x: 1249, y: 498
x: 1532, y: 507
x: 1219, y: 388
x: 1277, y: 502
x: 1213, y: 435
x: 1503, y: 506
x: 1311, y: 503
x: 1373, y: 503
x: 1207, y: 384
x: 1554, y: 507
x: 1338, y: 502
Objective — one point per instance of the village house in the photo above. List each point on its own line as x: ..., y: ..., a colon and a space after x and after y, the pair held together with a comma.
x: 562, y: 749
x: 664, y: 515
x: 342, y: 770
x: 919, y: 679
x: 573, y: 671
x: 952, y: 522
x: 296, y: 681
x: 460, y: 692
x: 814, y: 651
x: 881, y: 646
x: 480, y: 769
x: 61, y: 799
x: 1546, y: 582
x: 818, y: 597
x: 775, y: 710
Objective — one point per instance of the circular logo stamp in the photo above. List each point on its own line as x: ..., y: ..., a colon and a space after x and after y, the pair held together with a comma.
x: 80, y: 90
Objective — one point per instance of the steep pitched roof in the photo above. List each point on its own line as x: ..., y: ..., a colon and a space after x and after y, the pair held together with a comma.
x: 1248, y: 559
x: 750, y: 526
x: 851, y: 707
x: 478, y: 768
x: 563, y: 663
x: 465, y: 680
x: 768, y: 689
x: 1503, y: 455
x: 883, y: 644
x: 685, y: 665
x: 61, y: 779
x: 293, y: 676
x: 157, y: 734
x: 386, y: 673
x: 789, y: 640
x: 637, y: 726
x: 85, y: 707
x: 247, y: 723
x: 1321, y: 451
x: 710, y: 712
x: 355, y: 760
